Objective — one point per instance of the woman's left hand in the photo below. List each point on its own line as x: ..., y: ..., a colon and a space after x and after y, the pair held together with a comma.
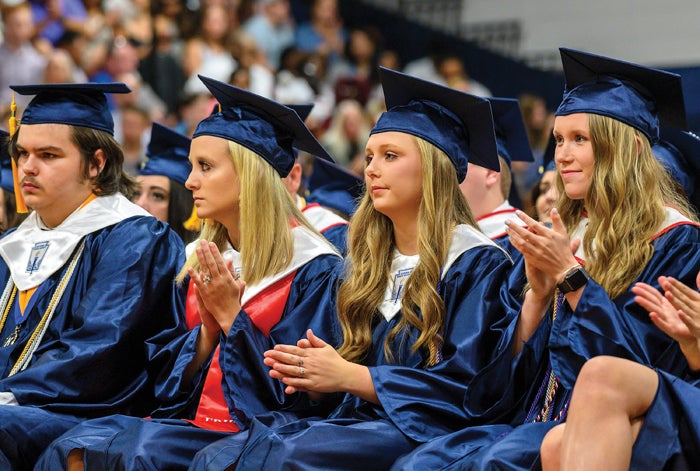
x: 220, y: 290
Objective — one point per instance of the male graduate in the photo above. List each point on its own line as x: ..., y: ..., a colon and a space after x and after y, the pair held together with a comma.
x: 486, y: 190
x: 331, y: 225
x: 87, y: 279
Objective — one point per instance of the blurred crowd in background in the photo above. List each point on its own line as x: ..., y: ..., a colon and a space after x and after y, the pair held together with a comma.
x: 292, y: 51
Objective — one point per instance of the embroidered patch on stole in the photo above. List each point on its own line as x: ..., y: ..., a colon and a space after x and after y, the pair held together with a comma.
x: 37, y: 256
x: 399, y: 281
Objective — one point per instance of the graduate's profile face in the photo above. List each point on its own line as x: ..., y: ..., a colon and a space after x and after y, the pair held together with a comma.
x: 393, y: 174
x: 547, y: 197
x: 153, y: 195
x: 574, y: 153
x: 50, y: 171
x: 213, y: 180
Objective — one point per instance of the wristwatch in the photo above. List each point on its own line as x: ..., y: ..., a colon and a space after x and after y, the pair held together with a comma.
x: 574, y: 279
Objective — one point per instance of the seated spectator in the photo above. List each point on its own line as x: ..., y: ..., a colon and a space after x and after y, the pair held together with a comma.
x: 272, y: 28
x: 323, y: 33
x: 21, y: 62
x: 53, y: 18
x: 60, y: 68
x: 347, y: 135
x: 208, y: 53
x: 162, y: 68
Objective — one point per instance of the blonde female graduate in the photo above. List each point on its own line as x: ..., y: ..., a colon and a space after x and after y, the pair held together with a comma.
x: 215, y: 381
x: 625, y: 415
x: 418, y: 304
x: 619, y: 221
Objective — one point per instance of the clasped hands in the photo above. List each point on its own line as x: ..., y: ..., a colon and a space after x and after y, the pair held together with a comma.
x: 548, y: 253
x: 311, y: 366
x: 218, y: 289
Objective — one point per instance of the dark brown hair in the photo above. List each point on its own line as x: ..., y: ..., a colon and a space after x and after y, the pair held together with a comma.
x: 112, y: 178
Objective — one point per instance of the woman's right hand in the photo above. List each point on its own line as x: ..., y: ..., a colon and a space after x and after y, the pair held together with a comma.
x: 548, y: 252
x: 220, y: 290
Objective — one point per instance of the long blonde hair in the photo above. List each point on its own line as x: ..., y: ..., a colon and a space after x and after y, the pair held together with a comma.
x: 625, y: 204
x: 371, y: 250
x: 266, y: 214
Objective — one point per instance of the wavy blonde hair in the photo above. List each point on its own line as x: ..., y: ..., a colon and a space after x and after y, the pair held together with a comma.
x: 625, y: 203
x: 371, y: 250
x: 267, y: 213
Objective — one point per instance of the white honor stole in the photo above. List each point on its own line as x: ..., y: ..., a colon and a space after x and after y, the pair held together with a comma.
x: 34, y: 252
x: 464, y: 238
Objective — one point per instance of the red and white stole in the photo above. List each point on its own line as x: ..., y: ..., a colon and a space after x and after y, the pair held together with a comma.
x: 264, y: 303
x: 319, y: 217
x: 493, y: 224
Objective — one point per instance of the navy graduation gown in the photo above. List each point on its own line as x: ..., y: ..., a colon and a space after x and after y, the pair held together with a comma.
x: 115, y: 315
x: 417, y: 402
x: 670, y: 435
x: 338, y: 236
x: 167, y: 441
x: 599, y: 326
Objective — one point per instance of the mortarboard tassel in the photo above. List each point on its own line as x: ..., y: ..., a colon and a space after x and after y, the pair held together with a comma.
x: 193, y: 223
x: 21, y: 205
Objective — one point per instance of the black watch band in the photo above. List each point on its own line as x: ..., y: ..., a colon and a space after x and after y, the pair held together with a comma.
x: 574, y: 279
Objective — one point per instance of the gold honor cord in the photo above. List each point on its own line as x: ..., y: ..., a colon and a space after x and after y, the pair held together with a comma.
x: 40, y: 330
x: 19, y: 199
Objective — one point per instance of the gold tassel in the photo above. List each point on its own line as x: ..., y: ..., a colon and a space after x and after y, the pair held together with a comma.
x: 193, y: 224
x: 21, y: 205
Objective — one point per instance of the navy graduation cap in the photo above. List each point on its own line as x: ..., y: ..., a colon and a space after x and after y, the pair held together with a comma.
x: 335, y: 187
x: 303, y: 110
x: 459, y: 124
x: 548, y: 156
x: 679, y: 152
x: 75, y: 104
x: 6, y: 179
x: 168, y: 154
x: 639, y: 96
x: 266, y: 127
x: 511, y: 135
